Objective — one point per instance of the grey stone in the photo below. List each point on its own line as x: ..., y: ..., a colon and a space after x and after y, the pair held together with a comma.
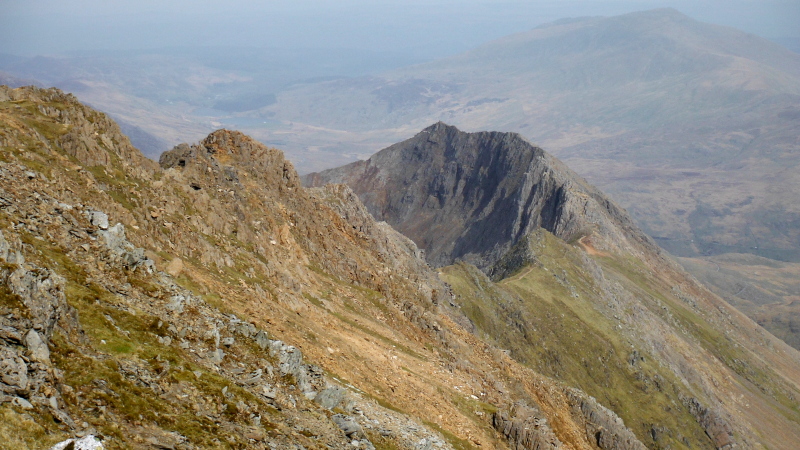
x: 245, y: 329
x: 254, y: 378
x: 213, y: 334
x: 269, y: 392
x: 216, y: 356
x: 42, y: 292
x: 98, y: 219
x: 10, y: 334
x: 330, y: 397
x: 115, y: 238
x: 349, y: 425
x: 13, y: 370
x: 88, y: 442
x: 37, y: 347
x: 61, y: 207
x: 15, y: 257
x: 275, y: 348
x: 126, y: 253
x: 262, y: 340
x: 22, y: 403
x: 228, y: 341
x: 176, y: 303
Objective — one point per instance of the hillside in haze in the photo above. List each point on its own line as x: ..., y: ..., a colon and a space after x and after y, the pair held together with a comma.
x: 692, y: 127
x: 211, y: 301
x: 169, y: 95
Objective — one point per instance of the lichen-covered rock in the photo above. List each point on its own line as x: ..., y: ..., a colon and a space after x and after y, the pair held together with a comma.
x: 309, y: 378
x: 42, y: 292
x: 13, y: 372
x: 122, y: 251
x: 712, y: 422
x: 603, y: 426
x: 37, y: 347
x: 348, y: 425
x: 526, y: 428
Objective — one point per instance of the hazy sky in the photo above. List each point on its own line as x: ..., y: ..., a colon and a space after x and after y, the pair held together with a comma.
x: 425, y: 29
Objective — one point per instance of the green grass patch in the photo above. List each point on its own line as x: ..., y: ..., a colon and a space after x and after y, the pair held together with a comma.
x: 27, y: 430
x: 452, y: 439
x: 314, y: 300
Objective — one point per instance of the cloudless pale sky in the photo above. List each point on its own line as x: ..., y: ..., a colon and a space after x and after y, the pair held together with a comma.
x: 425, y: 29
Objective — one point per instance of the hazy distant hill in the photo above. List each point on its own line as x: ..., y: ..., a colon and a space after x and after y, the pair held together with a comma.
x: 692, y: 127
x: 180, y: 94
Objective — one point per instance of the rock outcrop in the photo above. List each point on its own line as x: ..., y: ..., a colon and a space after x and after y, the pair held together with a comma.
x: 34, y: 304
x: 526, y: 428
x: 715, y: 426
x: 603, y: 426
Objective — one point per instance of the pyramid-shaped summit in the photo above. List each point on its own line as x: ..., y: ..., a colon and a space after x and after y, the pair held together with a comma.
x: 473, y: 196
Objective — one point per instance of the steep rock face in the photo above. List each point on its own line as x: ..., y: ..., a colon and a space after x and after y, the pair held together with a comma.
x: 471, y: 196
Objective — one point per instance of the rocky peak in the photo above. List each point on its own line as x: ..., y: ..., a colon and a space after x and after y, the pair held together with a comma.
x: 226, y: 154
x: 471, y: 196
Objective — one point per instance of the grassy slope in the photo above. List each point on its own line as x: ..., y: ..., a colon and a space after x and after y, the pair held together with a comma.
x: 552, y: 316
x: 536, y: 317
x: 767, y: 291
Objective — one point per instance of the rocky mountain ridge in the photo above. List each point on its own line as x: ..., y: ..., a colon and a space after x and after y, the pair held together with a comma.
x: 212, y: 302
x: 494, y: 201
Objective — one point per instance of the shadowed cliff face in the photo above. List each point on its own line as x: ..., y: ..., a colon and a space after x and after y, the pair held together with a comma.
x: 471, y: 196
